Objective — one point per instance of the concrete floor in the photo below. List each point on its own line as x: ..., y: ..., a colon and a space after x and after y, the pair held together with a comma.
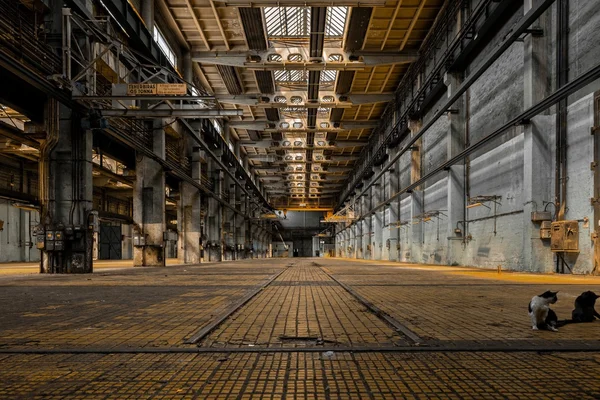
x: 25, y: 268
x: 292, y: 328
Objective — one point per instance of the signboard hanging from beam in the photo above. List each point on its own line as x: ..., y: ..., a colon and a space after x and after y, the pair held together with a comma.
x: 136, y: 89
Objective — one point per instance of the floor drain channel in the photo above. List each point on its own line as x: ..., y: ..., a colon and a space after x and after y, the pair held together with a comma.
x: 377, y: 311
x: 201, y: 334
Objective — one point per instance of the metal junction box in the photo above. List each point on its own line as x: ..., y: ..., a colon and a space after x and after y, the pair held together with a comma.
x: 546, y: 230
x: 539, y: 216
x: 565, y: 236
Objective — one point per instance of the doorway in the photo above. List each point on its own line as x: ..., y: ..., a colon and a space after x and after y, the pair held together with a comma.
x: 110, y: 241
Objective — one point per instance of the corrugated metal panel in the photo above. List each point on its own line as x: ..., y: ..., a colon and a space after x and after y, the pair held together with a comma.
x: 357, y: 28
x: 253, y: 27
x: 344, y: 82
x: 314, y: 77
x: 311, y: 120
x: 336, y: 114
x: 272, y: 114
x: 265, y: 81
x: 231, y: 79
x: 253, y: 135
x: 318, y: 16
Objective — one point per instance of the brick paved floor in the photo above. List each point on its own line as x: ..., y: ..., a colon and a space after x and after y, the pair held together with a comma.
x: 121, y: 334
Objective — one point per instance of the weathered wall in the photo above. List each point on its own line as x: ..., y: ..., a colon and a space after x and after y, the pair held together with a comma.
x: 518, y: 166
x: 17, y: 234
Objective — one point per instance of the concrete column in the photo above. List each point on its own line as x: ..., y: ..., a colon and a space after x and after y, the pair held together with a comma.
x: 352, y: 243
x: 250, y: 239
x: 229, y: 219
x: 188, y: 69
x: 190, y: 209
x: 455, y: 141
x: 394, y: 183
x: 538, y: 143
x: 240, y: 225
x: 67, y: 224
x: 416, y: 229
x: 347, y: 242
x: 214, y: 218
x: 149, y: 204
x: 366, y: 232
x: 147, y: 7
x: 377, y: 221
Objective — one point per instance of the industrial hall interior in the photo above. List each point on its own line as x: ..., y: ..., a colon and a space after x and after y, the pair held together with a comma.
x: 299, y: 199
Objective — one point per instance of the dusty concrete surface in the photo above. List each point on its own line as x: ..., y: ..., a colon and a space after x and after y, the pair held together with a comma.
x: 316, y: 328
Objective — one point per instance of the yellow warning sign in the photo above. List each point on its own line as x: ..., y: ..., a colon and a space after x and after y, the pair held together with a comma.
x: 171, y: 88
x: 137, y: 89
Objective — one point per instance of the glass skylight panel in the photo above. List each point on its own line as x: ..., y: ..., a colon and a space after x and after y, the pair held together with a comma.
x: 336, y: 21
x: 291, y: 76
x: 294, y: 22
x: 328, y: 75
x: 287, y: 21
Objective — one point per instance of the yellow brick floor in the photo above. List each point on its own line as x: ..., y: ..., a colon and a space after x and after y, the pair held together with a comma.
x: 120, y: 333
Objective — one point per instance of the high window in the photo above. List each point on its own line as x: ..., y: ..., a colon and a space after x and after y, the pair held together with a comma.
x: 159, y: 38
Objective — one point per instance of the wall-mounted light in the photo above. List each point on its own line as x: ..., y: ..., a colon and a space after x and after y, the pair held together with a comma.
x: 476, y: 205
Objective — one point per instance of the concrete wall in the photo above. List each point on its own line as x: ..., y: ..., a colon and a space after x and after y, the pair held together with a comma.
x: 280, y: 250
x: 17, y: 234
x: 511, y: 166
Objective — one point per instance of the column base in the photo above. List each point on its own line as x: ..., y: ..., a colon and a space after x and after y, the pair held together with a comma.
x: 148, y: 256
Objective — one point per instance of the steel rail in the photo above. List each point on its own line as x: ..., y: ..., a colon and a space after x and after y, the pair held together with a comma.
x: 442, y: 347
x: 205, y: 330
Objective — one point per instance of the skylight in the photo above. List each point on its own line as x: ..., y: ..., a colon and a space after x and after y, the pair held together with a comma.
x: 291, y: 76
x: 328, y: 75
x: 336, y: 21
x: 287, y: 22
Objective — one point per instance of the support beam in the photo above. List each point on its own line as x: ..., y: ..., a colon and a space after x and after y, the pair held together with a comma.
x: 391, y: 24
x: 219, y: 24
x: 271, y: 126
x: 196, y: 23
x: 259, y: 60
x: 412, y: 24
x: 304, y: 3
x: 166, y: 113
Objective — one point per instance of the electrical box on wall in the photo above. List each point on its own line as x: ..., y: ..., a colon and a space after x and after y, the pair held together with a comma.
x: 539, y: 216
x: 546, y: 230
x: 565, y: 236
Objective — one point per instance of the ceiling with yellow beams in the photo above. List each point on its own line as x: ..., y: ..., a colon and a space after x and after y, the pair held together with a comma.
x: 312, y: 80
